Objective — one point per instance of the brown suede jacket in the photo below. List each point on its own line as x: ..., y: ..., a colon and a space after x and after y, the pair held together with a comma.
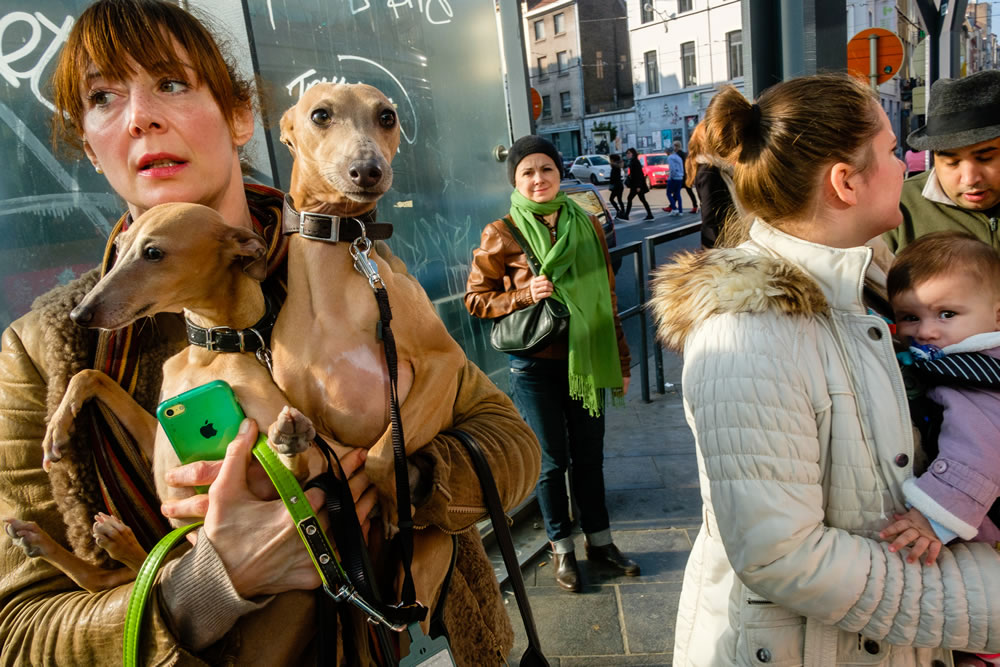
x: 498, y: 285
x: 46, y: 619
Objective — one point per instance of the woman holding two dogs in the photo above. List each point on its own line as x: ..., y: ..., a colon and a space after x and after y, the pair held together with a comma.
x: 142, y: 88
x: 560, y: 389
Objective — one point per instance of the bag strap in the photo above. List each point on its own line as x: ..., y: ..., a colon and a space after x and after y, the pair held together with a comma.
x: 533, y: 262
x: 533, y: 655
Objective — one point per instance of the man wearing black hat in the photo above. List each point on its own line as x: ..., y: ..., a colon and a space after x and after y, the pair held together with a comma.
x: 962, y: 191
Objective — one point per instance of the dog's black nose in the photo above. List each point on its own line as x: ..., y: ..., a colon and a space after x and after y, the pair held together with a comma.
x: 365, y: 173
x: 81, y: 315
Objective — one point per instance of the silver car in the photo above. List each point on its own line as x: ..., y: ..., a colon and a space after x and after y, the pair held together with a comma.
x: 593, y: 168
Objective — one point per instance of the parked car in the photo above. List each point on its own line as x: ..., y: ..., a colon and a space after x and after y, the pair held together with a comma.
x: 655, y: 169
x: 593, y: 168
x: 589, y: 198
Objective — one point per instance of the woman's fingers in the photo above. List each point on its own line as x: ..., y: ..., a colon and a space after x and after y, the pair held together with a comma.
x: 353, y: 460
x: 232, y: 478
x: 197, y: 473
x: 193, y: 507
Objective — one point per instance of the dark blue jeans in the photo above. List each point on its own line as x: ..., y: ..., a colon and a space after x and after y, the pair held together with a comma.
x: 569, y: 437
x: 674, y: 194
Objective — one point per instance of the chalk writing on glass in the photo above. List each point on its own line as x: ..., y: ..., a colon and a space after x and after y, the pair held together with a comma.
x: 33, y: 74
x: 435, y: 12
x: 406, y: 109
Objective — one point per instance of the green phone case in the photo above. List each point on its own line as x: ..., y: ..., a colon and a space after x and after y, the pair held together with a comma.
x: 201, y: 422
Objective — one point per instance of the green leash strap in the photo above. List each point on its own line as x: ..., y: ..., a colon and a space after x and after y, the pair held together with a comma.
x: 335, y: 581
x: 141, y: 588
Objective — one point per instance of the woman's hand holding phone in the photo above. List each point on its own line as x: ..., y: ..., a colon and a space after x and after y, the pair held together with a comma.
x: 244, y: 506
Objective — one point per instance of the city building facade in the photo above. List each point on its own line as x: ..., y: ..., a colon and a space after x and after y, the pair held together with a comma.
x: 682, y: 52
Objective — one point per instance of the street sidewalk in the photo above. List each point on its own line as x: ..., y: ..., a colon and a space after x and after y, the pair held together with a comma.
x: 651, y: 477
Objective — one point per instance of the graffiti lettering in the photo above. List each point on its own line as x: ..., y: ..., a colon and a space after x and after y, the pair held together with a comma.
x: 35, y: 23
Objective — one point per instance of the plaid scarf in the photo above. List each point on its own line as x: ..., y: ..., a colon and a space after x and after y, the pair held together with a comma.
x: 124, y: 474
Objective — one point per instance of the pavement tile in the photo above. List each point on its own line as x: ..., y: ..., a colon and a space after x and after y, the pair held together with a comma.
x: 644, y: 509
x: 649, y: 611
x: 571, y: 624
x: 677, y: 470
x: 631, y: 472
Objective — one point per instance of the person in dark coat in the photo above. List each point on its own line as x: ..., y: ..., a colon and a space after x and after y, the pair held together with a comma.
x: 617, y: 186
x: 636, y: 183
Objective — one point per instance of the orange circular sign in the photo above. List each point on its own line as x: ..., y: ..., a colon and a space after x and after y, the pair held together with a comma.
x: 536, y: 104
x: 888, y: 54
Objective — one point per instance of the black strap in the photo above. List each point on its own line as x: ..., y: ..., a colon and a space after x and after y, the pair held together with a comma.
x: 227, y: 339
x: 332, y: 228
x: 533, y: 655
x: 533, y: 263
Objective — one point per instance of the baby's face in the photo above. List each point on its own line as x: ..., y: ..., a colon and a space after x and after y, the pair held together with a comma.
x: 946, y: 309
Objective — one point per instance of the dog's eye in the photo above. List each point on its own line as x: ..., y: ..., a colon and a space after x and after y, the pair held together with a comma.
x: 387, y: 118
x: 321, y: 117
x: 152, y: 253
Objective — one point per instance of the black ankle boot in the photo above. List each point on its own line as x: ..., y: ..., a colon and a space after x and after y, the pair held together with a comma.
x: 566, y: 571
x: 610, y: 555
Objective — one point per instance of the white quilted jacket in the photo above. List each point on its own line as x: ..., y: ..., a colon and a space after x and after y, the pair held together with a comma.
x: 804, y: 441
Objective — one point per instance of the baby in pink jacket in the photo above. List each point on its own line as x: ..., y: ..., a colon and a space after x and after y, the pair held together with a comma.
x: 945, y: 292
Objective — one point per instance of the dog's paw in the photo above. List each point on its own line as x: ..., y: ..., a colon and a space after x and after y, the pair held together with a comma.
x: 291, y: 433
x: 81, y: 389
x: 29, y: 537
x: 118, y: 540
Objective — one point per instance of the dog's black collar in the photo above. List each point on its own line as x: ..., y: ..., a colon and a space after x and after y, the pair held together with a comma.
x: 332, y: 228
x: 227, y: 339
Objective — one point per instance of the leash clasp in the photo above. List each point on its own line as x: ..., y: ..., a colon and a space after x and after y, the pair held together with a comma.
x: 362, y: 263
x: 347, y: 593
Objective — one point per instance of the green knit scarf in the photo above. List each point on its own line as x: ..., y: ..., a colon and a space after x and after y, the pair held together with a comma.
x: 579, y: 273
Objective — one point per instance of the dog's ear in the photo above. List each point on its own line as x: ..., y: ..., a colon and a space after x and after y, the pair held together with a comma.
x: 288, y: 129
x: 250, y: 251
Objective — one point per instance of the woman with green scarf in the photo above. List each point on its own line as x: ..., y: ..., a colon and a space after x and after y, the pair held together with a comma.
x: 560, y: 390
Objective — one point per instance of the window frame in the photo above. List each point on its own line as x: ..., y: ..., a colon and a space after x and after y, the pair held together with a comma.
x: 736, y: 53
x: 651, y: 66
x: 556, y: 20
x: 543, y: 67
x: 564, y: 97
x: 563, y: 71
x: 546, y: 107
x: 685, y: 6
x: 646, y: 16
x: 689, y: 73
x: 539, y: 28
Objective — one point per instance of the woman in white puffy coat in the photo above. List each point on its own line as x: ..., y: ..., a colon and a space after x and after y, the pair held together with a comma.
x: 797, y: 405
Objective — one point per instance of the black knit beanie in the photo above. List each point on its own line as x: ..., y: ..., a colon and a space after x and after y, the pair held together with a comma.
x: 529, y: 145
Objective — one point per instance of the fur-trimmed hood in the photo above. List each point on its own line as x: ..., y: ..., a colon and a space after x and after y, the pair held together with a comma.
x: 697, y: 285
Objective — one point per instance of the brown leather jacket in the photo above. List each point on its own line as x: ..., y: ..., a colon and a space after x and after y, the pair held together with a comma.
x: 498, y: 285
x: 46, y: 619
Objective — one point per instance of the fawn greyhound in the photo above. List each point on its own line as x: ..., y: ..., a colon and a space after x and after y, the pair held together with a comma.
x: 174, y: 257
x: 328, y: 358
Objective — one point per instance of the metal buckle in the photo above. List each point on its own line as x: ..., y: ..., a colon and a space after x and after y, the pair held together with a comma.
x: 347, y: 593
x: 210, y: 342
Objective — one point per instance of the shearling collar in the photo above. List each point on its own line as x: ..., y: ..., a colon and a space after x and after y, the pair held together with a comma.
x: 934, y: 192
x: 728, y: 280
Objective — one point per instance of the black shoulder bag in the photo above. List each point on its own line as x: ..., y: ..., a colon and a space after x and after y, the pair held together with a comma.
x: 533, y: 654
x: 530, y: 329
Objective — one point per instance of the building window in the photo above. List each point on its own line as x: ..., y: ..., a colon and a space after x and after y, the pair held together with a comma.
x: 563, y: 59
x: 539, y: 29
x: 652, y: 73
x: 558, y: 24
x: 684, y: 5
x: 688, y: 69
x: 599, y: 64
x: 542, y: 68
x: 566, y: 103
x: 647, y: 10
x: 546, y: 107
x: 734, y: 48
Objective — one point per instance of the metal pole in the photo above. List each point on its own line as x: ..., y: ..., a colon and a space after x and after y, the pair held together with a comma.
x: 873, y: 61
x: 657, y: 350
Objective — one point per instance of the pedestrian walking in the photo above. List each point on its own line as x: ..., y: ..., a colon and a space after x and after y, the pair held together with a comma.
x: 636, y: 184
x: 617, y: 186
x: 675, y: 182
x: 687, y: 181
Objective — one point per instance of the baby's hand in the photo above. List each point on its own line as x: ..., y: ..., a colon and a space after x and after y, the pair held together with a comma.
x: 912, y: 529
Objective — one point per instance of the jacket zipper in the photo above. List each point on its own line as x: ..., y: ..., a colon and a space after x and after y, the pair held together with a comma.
x: 758, y: 602
x: 993, y: 224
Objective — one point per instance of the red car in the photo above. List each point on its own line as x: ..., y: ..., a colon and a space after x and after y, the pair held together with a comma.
x: 655, y: 169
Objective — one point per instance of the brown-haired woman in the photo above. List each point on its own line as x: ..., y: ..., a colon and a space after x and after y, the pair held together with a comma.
x: 143, y: 89
x: 798, y: 408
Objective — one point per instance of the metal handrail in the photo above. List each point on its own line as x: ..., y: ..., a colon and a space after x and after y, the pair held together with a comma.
x: 650, y: 242
x: 639, y: 309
